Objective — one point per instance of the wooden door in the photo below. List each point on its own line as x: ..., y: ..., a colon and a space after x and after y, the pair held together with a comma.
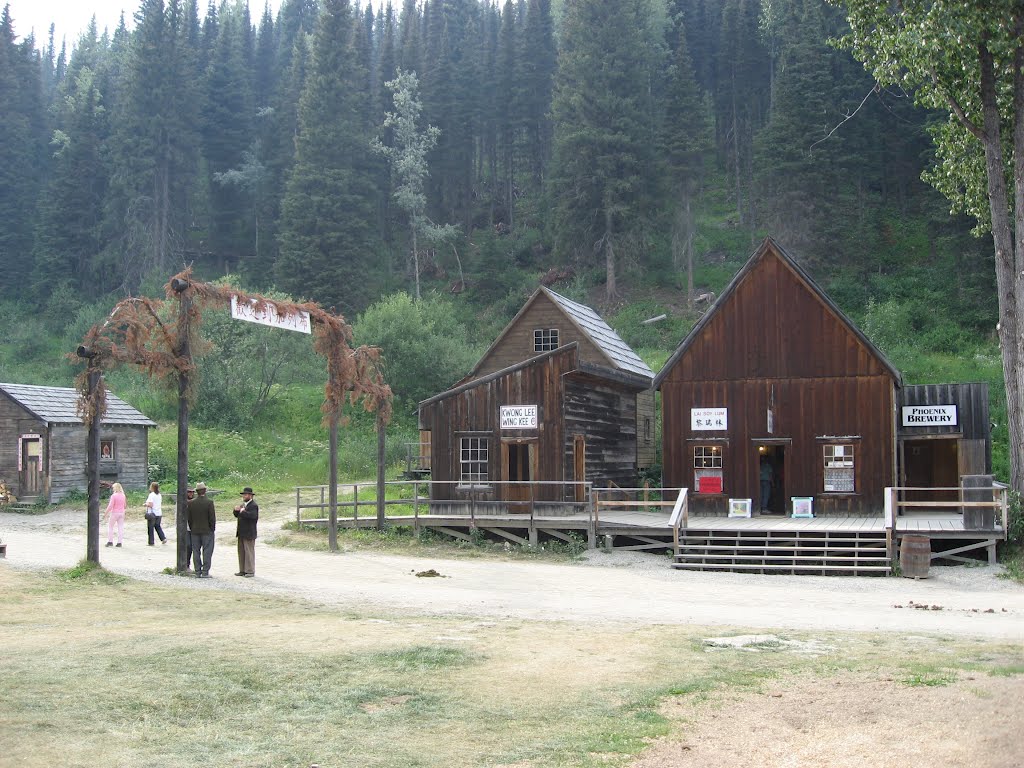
x: 519, y: 470
x: 579, y: 461
x: 31, y: 465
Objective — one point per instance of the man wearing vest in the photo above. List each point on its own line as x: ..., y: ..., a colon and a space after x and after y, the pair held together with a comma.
x: 248, y: 512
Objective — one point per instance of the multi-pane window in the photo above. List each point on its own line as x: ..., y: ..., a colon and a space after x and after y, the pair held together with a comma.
x: 473, y: 460
x: 707, y: 468
x: 545, y: 339
x: 839, y: 469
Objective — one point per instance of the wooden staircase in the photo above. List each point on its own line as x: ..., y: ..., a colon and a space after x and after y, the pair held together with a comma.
x: 843, y: 553
x: 23, y: 504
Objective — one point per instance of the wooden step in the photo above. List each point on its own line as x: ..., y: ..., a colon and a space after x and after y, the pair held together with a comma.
x: 789, y: 568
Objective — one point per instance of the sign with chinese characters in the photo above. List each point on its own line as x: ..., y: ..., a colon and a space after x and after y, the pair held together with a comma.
x: 518, y: 416
x: 267, y: 315
x: 929, y: 415
x: 709, y: 418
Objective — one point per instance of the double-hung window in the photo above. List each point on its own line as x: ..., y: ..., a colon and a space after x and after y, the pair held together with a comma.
x: 473, y: 452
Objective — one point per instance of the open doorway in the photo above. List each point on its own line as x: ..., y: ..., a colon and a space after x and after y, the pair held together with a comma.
x: 771, y: 475
x: 518, y: 470
x: 932, y: 463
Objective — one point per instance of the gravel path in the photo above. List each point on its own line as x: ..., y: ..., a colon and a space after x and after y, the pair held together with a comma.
x: 604, y: 587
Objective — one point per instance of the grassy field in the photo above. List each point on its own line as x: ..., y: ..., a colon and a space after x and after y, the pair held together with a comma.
x: 100, y: 670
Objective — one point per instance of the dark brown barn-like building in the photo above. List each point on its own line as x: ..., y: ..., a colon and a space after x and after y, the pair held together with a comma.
x: 775, y: 384
x: 43, y: 442
x: 558, y: 398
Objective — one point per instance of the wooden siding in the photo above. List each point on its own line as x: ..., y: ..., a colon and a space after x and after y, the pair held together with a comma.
x: 14, y: 422
x: 646, y: 444
x: 806, y: 413
x: 568, y: 404
x: 516, y: 344
x: 606, y: 417
x: 775, y: 326
x: 67, y: 458
x: 971, y: 401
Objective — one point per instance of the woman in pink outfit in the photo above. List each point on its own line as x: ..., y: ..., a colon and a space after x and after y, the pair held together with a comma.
x: 115, y: 514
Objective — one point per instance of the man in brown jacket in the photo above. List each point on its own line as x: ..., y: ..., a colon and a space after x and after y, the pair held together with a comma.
x: 202, y: 521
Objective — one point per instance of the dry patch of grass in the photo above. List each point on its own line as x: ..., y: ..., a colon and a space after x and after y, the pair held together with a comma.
x: 117, y: 673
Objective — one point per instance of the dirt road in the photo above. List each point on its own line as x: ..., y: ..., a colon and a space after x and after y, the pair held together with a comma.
x: 616, y: 587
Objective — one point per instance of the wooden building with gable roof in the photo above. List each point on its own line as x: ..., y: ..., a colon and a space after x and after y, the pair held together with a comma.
x: 776, y: 384
x: 43, y: 442
x: 558, y: 400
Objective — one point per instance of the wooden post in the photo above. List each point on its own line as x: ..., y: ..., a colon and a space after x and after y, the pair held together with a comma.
x: 647, y: 495
x: 92, y: 542
x: 381, y: 519
x: 355, y: 503
x: 185, y: 357
x: 416, y: 507
x: 332, y: 481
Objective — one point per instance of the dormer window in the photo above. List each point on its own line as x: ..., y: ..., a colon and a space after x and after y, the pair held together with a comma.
x: 545, y: 339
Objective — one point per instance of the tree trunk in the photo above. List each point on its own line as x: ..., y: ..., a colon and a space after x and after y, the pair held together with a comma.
x: 184, y: 352
x: 416, y: 261
x: 612, y: 291
x: 1008, y: 278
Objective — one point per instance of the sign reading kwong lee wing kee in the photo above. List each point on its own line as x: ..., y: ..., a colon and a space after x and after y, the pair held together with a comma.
x: 518, y: 416
x: 267, y: 315
x: 929, y: 415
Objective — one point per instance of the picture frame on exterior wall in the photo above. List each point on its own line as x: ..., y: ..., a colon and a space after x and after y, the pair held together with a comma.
x: 106, y: 449
x: 739, y: 507
x: 803, y: 506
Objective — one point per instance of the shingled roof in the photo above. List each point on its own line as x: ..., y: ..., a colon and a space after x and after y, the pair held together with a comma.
x: 58, y: 405
x: 618, y: 353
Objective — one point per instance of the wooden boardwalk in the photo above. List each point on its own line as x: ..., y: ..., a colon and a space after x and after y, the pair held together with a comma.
x: 763, y: 544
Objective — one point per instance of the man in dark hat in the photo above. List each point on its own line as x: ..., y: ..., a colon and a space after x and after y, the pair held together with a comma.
x: 248, y: 512
x: 202, y: 521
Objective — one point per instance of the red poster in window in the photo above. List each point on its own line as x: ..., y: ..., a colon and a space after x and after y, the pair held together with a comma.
x: 709, y: 485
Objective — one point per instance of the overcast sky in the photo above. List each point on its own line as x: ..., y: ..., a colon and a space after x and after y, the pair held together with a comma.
x: 72, y: 16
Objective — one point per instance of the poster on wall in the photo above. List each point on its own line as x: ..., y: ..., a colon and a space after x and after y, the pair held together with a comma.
x: 702, y: 419
x: 929, y: 416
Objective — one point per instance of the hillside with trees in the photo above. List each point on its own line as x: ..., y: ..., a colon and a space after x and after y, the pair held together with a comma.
x: 422, y: 167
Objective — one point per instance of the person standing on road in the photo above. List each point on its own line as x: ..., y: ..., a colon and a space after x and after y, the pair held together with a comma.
x: 190, y: 494
x: 248, y: 512
x: 202, y: 521
x: 154, y: 514
x: 115, y: 514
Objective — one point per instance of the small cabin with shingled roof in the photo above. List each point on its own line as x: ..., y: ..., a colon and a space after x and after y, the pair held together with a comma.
x: 43, y: 442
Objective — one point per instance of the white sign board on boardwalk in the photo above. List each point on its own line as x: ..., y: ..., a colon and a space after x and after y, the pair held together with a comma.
x: 518, y: 416
x: 267, y: 315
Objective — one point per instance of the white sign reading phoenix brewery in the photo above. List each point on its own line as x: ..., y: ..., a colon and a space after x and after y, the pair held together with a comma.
x: 518, y: 416
x: 267, y: 315
x: 929, y: 415
x: 709, y: 418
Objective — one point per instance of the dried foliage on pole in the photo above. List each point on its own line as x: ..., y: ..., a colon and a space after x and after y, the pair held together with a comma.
x: 142, y: 333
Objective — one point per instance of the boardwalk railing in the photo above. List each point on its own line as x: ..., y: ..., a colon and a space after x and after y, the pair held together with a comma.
x: 983, y: 510
x: 413, y: 501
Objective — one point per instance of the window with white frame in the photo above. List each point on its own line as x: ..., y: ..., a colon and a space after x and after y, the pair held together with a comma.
x: 473, y: 460
x: 839, y: 468
x: 707, y: 468
x: 545, y: 339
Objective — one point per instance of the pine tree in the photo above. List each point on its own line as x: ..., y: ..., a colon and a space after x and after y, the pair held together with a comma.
x: 604, y: 167
x: 687, y: 143
x: 328, y: 247
x: 22, y: 128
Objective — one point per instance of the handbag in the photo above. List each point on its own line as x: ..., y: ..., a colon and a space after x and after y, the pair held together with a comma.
x: 150, y: 515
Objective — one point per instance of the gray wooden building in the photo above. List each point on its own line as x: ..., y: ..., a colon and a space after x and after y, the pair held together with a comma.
x: 43, y: 442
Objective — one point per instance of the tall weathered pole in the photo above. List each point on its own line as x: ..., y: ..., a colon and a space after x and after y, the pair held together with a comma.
x: 184, y: 354
x: 92, y: 454
x: 332, y: 469
x: 381, y: 485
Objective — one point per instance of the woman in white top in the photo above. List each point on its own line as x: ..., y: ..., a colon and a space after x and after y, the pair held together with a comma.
x: 154, y: 513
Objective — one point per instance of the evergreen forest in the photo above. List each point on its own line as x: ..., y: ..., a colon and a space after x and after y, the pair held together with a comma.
x: 421, y: 167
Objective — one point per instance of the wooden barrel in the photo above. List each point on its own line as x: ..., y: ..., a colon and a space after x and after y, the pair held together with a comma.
x: 915, y: 556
